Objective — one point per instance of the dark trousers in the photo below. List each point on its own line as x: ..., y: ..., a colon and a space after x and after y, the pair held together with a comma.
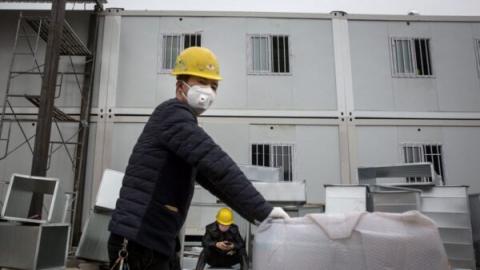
x: 139, y: 257
x: 217, y: 259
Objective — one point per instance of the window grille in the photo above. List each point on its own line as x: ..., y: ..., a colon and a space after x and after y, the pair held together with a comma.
x: 411, y: 57
x: 274, y: 155
x: 173, y: 44
x: 269, y: 54
x: 431, y: 153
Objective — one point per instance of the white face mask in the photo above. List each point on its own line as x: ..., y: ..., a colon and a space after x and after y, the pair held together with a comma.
x: 199, y: 97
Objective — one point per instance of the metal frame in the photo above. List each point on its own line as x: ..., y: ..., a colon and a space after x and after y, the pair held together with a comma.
x: 345, y: 101
x: 290, y: 15
x: 9, y: 191
x: 269, y: 54
x: 106, y: 100
x: 37, y: 25
x: 273, y: 159
x: 421, y: 146
x: 161, y: 56
x: 413, y: 57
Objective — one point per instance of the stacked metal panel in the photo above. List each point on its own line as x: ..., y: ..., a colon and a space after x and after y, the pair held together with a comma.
x: 19, y: 197
x: 448, y: 207
x: 37, y: 241
x: 41, y: 246
x: 345, y: 198
x: 475, y: 218
x: 397, y: 175
x: 393, y: 199
x: 94, y: 240
x: 261, y: 173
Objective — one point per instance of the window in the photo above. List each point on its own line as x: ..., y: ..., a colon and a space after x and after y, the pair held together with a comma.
x: 274, y: 155
x: 424, y: 153
x: 477, y: 53
x: 269, y: 54
x: 173, y: 44
x: 411, y: 57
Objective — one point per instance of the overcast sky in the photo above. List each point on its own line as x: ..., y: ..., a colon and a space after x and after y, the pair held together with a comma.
x: 424, y: 7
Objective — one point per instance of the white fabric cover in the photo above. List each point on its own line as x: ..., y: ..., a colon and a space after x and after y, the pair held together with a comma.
x: 360, y: 241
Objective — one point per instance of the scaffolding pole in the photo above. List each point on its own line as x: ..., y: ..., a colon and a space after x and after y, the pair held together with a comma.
x: 47, y: 95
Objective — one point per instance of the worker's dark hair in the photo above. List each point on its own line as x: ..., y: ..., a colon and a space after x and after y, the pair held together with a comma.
x: 183, y: 77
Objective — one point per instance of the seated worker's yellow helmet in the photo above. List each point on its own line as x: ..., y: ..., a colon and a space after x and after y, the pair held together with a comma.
x: 197, y: 61
x: 225, y: 216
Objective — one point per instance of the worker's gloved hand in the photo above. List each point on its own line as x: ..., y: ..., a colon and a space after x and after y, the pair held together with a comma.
x: 278, y: 212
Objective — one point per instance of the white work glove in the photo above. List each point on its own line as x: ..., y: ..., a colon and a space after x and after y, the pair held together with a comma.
x: 278, y: 212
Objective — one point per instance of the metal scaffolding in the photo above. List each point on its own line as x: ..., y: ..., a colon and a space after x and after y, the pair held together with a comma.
x: 32, y: 46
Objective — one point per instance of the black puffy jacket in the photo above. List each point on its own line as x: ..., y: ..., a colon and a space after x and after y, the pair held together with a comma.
x: 157, y: 189
x: 214, y: 235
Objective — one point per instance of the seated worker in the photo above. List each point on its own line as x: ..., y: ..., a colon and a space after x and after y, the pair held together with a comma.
x: 223, y: 245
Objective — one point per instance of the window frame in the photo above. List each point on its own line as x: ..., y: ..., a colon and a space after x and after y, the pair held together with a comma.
x: 163, y: 48
x: 423, y: 156
x: 250, y: 53
x: 412, y: 54
x: 272, y: 158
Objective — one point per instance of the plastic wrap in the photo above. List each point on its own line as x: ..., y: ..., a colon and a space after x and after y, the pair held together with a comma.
x: 369, y: 241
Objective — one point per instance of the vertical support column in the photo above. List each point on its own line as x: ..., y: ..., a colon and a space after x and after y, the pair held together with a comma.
x: 345, y: 104
x: 84, y: 127
x: 47, y: 95
x: 106, y: 101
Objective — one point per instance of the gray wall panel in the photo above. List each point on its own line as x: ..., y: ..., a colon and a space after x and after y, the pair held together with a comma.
x: 8, y: 21
x: 125, y: 136
x: 377, y: 146
x: 454, y: 58
x: 317, y: 159
x: 315, y: 85
x: 371, y: 73
x: 137, y: 64
x: 454, y: 86
x: 227, y: 38
x: 462, y: 147
x: 19, y: 161
x: 232, y: 138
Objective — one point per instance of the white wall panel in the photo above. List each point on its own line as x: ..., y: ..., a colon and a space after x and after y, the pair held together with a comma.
x: 462, y: 151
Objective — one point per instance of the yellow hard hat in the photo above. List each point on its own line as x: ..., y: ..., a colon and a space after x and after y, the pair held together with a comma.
x: 225, y: 216
x: 197, y: 61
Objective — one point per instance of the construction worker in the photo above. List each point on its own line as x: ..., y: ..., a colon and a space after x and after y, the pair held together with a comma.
x: 222, y: 243
x: 170, y: 154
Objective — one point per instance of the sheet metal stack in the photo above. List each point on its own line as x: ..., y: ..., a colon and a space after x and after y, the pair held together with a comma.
x: 386, y: 189
x: 37, y: 241
x: 94, y: 239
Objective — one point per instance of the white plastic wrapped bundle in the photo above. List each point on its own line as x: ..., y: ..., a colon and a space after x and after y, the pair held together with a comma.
x: 360, y: 241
